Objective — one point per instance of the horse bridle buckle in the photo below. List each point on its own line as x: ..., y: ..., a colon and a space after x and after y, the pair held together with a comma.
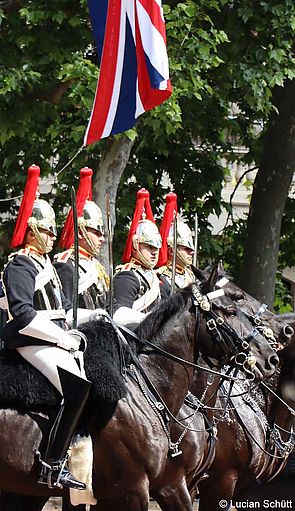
x: 267, y: 332
x: 211, y: 324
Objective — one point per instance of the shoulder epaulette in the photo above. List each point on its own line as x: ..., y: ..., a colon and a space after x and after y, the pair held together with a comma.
x: 164, y: 270
x: 128, y: 266
x: 63, y: 257
x: 123, y: 267
x: 21, y: 251
x: 161, y: 270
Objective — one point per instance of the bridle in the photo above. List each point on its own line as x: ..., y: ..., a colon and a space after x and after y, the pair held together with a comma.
x: 233, y: 346
x: 261, y: 326
x: 230, y: 342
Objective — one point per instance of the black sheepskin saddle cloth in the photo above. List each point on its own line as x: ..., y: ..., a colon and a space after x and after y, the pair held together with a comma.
x: 24, y: 388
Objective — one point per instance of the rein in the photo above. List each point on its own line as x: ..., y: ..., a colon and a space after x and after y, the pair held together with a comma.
x: 170, y: 356
x: 289, y: 408
x: 224, y: 335
x: 284, y: 447
x: 214, y: 324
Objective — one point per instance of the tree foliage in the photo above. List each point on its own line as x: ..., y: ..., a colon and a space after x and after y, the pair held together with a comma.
x: 226, y: 57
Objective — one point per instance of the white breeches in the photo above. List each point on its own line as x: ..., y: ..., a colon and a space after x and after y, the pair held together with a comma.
x: 47, y: 358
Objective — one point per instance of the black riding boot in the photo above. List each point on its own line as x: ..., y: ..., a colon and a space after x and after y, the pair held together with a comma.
x: 54, y: 470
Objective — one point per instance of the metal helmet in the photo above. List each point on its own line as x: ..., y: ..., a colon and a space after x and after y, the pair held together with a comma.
x: 184, y: 236
x: 34, y: 212
x: 147, y: 232
x: 143, y: 228
x: 91, y: 216
x: 43, y: 216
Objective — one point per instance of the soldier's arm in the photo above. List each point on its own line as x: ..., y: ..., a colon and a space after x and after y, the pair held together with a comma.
x: 126, y: 289
x: 19, y: 280
x: 66, y: 274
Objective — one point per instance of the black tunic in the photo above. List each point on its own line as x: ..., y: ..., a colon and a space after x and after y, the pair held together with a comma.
x: 95, y: 296
x: 130, y: 285
x: 19, y: 280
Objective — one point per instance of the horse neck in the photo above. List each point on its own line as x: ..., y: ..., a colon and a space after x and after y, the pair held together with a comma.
x: 205, y: 386
x: 173, y: 379
x: 278, y: 412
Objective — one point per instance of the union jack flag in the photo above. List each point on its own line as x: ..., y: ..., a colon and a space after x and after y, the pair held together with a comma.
x: 134, y: 74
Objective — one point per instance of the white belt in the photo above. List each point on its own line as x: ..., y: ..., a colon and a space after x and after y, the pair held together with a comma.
x: 148, y: 298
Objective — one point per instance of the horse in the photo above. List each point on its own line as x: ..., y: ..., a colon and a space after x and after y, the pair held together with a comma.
x: 201, y: 434
x: 136, y: 437
x: 196, y: 437
x: 256, y: 437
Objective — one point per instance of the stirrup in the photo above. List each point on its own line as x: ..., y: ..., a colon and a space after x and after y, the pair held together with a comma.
x: 57, y: 475
x: 45, y: 476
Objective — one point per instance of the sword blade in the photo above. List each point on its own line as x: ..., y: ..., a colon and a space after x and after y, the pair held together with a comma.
x: 195, y: 258
x: 174, y: 256
x: 110, y: 253
x: 76, y: 258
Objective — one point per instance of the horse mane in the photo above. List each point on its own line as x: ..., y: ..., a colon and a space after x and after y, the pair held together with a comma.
x: 153, y: 323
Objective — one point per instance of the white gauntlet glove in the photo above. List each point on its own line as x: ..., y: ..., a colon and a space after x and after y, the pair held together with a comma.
x: 80, y: 338
x: 70, y: 341
x: 126, y: 316
x: 98, y: 314
x: 42, y: 328
x: 84, y: 315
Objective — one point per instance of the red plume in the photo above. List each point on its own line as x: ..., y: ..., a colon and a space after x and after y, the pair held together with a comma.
x: 142, y: 206
x: 26, y: 207
x: 84, y: 193
x: 168, y: 217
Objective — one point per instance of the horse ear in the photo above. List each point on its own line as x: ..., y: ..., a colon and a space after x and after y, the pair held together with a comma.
x: 199, y: 274
x: 209, y: 284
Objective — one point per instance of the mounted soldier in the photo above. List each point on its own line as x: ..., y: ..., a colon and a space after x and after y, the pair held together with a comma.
x: 93, y: 280
x: 37, y: 326
x: 136, y: 285
x: 184, y: 246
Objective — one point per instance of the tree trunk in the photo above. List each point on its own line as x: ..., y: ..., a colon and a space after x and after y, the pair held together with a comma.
x: 270, y: 192
x: 107, y: 180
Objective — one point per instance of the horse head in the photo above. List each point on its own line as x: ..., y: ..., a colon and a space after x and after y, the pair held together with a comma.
x: 231, y: 336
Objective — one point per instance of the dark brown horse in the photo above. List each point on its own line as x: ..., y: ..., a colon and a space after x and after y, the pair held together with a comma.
x: 256, y: 437
x: 274, y: 327
x: 131, y: 450
x: 197, y: 441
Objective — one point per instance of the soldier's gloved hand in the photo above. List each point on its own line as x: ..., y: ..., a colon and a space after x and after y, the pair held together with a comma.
x: 98, y: 314
x: 80, y: 338
x: 70, y: 341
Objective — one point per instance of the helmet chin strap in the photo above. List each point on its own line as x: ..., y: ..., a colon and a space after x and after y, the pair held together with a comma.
x: 42, y: 245
x: 93, y: 248
x: 140, y: 257
x: 181, y: 258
